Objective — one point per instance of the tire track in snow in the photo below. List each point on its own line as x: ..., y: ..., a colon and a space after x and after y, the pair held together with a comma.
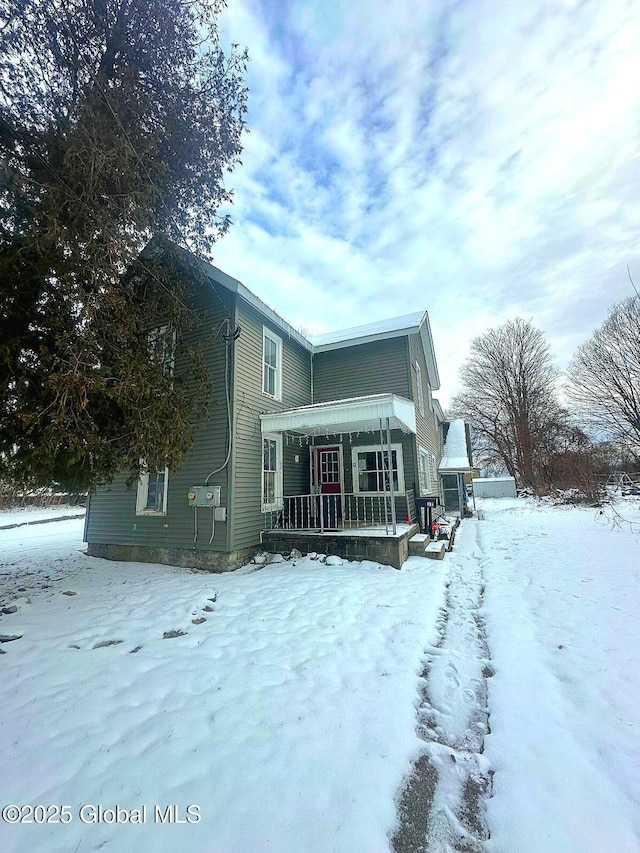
x: 442, y: 806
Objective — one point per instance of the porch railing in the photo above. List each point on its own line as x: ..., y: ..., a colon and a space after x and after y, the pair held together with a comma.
x: 330, y: 512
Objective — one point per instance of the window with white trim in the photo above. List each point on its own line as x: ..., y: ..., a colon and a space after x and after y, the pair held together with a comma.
x: 271, y: 472
x: 424, y: 471
x: 271, y: 364
x: 151, y: 498
x: 370, y: 471
x: 419, y: 389
x: 162, y: 348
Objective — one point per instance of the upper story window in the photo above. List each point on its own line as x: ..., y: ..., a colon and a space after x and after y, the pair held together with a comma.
x: 419, y: 389
x: 271, y: 364
x: 162, y: 348
x: 151, y: 498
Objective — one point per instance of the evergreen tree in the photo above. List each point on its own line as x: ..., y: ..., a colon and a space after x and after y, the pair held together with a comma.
x: 118, y: 121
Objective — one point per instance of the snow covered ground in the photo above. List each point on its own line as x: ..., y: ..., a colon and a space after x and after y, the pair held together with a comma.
x: 562, y: 612
x: 293, y: 703
x: 30, y: 515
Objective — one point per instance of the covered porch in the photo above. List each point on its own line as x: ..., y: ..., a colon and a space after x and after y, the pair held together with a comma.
x: 348, y: 455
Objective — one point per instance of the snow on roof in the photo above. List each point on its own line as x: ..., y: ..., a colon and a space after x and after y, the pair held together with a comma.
x: 454, y: 454
x: 382, y: 327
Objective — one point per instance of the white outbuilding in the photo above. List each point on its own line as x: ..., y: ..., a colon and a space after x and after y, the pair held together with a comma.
x: 494, y: 487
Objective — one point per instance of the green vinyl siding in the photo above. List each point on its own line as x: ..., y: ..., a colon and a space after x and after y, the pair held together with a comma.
x: 379, y: 367
x: 247, y: 520
x: 427, y: 430
x: 112, y: 515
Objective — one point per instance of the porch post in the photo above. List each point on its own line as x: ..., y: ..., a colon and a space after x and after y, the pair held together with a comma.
x: 391, y: 492
x: 386, y: 507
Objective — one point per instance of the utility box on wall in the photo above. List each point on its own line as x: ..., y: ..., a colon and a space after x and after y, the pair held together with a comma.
x: 204, y: 496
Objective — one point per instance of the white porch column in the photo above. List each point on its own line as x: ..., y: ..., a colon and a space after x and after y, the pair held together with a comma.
x: 391, y: 491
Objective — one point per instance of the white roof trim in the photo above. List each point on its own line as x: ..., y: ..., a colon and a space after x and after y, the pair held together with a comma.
x: 391, y: 327
x: 394, y: 327
x: 358, y: 414
x: 382, y: 330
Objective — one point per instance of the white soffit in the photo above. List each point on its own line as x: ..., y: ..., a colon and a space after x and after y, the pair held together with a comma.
x: 358, y: 414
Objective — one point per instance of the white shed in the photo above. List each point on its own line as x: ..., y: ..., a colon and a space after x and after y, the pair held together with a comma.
x: 494, y: 487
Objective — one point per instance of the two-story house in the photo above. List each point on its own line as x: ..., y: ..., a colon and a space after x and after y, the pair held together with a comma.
x: 300, y: 439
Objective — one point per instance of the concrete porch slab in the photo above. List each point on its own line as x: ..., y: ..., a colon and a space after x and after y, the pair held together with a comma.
x: 357, y: 545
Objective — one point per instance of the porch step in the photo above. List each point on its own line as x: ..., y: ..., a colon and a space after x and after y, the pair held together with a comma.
x: 436, y: 550
x: 418, y: 544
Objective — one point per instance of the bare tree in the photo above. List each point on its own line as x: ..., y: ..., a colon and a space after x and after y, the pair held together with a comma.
x: 604, y: 376
x: 509, y: 397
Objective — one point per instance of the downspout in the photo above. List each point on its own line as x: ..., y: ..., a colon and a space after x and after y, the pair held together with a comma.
x: 312, y: 400
x: 228, y: 339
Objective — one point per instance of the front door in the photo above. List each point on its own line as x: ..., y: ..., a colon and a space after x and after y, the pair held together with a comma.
x: 328, y: 470
x: 329, y: 481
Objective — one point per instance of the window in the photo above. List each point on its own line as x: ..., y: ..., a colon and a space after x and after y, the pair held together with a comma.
x: 424, y: 471
x: 152, y: 493
x: 271, y: 472
x: 419, y: 389
x: 271, y: 364
x: 370, y: 469
x: 162, y: 348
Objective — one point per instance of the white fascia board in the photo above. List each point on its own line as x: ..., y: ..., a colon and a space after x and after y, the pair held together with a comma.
x: 366, y: 339
x: 357, y: 415
x: 270, y: 314
x: 380, y: 327
x: 429, y: 352
x: 456, y: 465
x: 219, y: 277
x: 438, y: 410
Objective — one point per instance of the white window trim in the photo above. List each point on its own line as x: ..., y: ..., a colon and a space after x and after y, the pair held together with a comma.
x: 419, y: 389
x: 267, y: 333
x: 279, y: 501
x: 143, y: 494
x: 375, y: 448
x: 424, y: 472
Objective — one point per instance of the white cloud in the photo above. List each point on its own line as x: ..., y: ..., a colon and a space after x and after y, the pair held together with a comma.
x: 478, y: 159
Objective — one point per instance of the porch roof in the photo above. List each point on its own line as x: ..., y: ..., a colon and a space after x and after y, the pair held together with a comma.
x: 356, y: 414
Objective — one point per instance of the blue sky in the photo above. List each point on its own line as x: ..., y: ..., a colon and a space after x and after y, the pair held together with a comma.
x: 478, y: 159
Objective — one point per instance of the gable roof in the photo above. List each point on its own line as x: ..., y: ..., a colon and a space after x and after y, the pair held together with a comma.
x: 394, y: 327
x: 407, y: 324
x: 217, y: 276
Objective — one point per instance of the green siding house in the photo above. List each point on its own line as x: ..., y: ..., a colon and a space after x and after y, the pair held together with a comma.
x: 324, y: 435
